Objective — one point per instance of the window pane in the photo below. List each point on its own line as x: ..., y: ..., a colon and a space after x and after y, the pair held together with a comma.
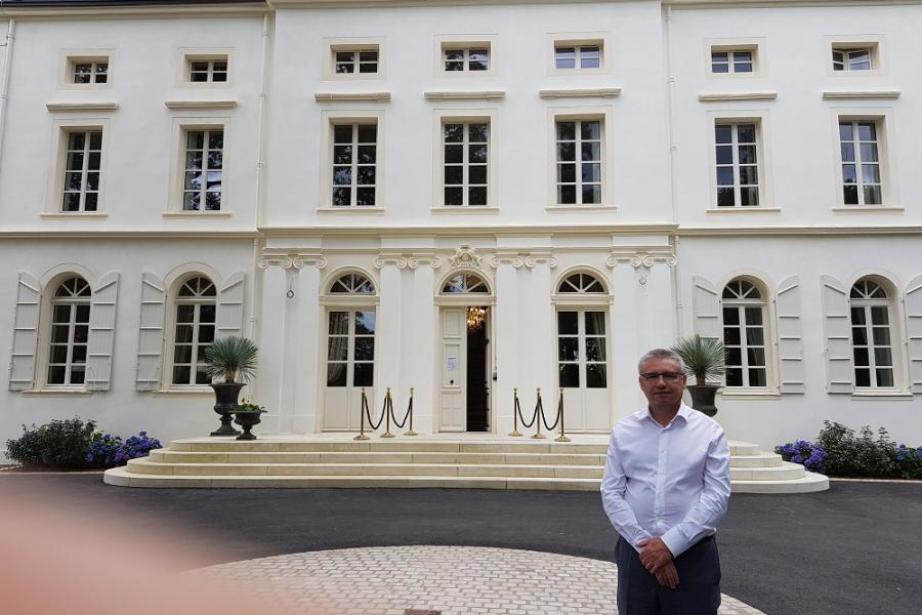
x: 477, y: 196
x: 595, y: 376
x: 724, y: 176
x: 881, y: 336
x: 568, y: 349
x: 566, y: 195
x: 731, y: 336
x: 756, y: 356
x: 592, y: 195
x: 477, y: 174
x: 757, y: 378
x: 364, y: 323
x: 454, y: 175
x: 595, y: 349
x: 566, y: 131
x: 339, y: 323
x: 337, y: 348
x: 872, y: 195
x: 734, y: 376
x: 569, y: 375
x: 863, y: 377
x: 861, y: 356
x: 454, y: 196
x: 567, y: 323
x: 336, y: 374
x: 363, y: 375
x: 565, y: 57
x: 595, y: 323
x: 364, y: 348
x: 749, y: 197
x: 182, y: 353
x: 880, y: 315
x: 882, y: 357
x: 181, y: 374
x: 725, y: 197
x: 884, y: 377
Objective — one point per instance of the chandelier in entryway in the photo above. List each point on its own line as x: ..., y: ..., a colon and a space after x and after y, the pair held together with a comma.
x: 475, y: 317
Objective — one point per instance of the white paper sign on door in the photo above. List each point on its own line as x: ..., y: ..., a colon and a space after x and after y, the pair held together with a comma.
x: 452, y: 364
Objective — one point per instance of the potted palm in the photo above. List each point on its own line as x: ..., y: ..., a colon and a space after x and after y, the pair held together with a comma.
x: 227, y: 360
x: 704, y: 358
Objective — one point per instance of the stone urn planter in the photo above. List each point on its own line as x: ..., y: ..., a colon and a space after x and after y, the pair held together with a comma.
x: 226, y: 394
x: 248, y: 419
x: 703, y: 398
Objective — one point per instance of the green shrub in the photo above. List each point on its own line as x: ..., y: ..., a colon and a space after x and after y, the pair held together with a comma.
x: 58, y: 444
x: 861, y: 454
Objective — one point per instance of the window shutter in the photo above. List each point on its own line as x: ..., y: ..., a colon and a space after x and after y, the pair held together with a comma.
x: 25, y: 333
x: 706, y: 305
x: 150, y: 333
x: 914, y: 332
x: 229, y: 318
x: 790, y: 344
x: 840, y: 369
x: 102, y: 333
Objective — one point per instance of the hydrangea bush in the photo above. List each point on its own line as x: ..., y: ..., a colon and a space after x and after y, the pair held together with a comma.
x: 107, y: 451
x: 840, y: 451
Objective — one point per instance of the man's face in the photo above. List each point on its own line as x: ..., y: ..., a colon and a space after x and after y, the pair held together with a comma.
x: 662, y: 382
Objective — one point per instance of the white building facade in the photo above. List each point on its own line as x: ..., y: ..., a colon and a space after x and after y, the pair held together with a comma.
x: 464, y: 199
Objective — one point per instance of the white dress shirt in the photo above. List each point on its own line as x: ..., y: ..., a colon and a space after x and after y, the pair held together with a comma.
x: 672, y: 482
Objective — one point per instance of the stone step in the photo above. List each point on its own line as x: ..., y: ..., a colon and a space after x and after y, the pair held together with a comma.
x: 743, y: 448
x: 762, y: 460
x: 169, y: 456
x: 809, y: 483
x: 223, y: 445
x: 786, y: 471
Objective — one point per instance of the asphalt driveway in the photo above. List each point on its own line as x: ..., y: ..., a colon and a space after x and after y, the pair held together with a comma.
x: 855, y: 549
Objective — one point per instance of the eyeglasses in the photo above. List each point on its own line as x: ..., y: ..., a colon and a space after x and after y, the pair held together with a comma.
x: 667, y: 376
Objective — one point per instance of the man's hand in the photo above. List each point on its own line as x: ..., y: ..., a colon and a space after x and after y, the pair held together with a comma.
x: 668, y: 576
x: 654, y: 554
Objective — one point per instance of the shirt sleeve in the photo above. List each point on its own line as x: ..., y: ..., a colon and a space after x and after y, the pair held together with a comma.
x: 614, y: 484
x: 702, y: 519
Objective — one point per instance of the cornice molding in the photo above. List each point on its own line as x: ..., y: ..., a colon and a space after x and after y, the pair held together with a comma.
x: 407, y: 260
x: 200, y: 104
x: 641, y: 257
x: 352, y: 97
x: 444, y: 95
x: 519, y: 259
x: 59, y: 106
x: 610, y: 92
x: 734, y: 96
x: 291, y: 260
x: 861, y: 94
x: 257, y: 8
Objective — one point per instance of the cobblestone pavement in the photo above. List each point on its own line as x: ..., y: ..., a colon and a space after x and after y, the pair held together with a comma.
x: 426, y: 580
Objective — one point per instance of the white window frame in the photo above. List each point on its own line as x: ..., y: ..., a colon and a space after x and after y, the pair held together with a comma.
x: 883, y: 117
x: 565, y: 114
x: 465, y: 46
x: 456, y: 116
x: 181, y: 127
x: 895, y: 333
x: 348, y: 302
x: 61, y: 131
x: 579, y: 39
x: 173, y: 303
x: 202, y: 191
x: 756, y: 46
x: 859, y: 162
x: 331, y: 118
x: 763, y: 153
x: 86, y: 153
x: 736, y: 165
x: 71, y: 57
x: 872, y: 42
x: 333, y: 45
x: 188, y: 55
x: 47, y: 325
x: 741, y: 305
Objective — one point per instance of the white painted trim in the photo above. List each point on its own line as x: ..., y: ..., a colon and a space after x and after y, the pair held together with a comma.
x: 732, y: 96
x: 330, y: 45
x: 322, y: 97
x: 65, y: 106
x: 465, y: 210
x: 351, y: 211
x: 197, y: 214
x: 861, y: 94
x: 864, y: 209
x: 447, y: 95
x: 743, y: 210
x: 200, y: 104
x: 441, y: 115
x: 581, y: 208
x: 62, y: 215
x: 606, y: 92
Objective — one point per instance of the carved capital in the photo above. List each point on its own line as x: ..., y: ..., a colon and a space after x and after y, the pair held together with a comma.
x: 394, y: 260
x: 465, y: 257
x: 641, y: 258
x: 540, y: 258
x: 514, y: 259
x: 422, y: 260
x: 291, y: 261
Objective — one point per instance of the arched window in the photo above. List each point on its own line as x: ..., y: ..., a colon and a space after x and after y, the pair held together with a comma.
x: 70, y: 328
x: 581, y: 283
x: 744, y: 334
x: 465, y: 283
x: 195, y: 330
x: 871, y: 337
x: 352, y: 284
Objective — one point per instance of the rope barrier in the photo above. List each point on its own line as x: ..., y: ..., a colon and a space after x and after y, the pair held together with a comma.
x: 407, y: 416
x: 539, y: 410
x: 517, y: 414
x: 366, y: 412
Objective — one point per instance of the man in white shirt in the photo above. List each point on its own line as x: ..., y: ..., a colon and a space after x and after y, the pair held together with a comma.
x: 666, y: 487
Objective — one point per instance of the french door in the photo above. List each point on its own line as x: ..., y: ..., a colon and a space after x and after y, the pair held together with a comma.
x: 582, y: 367
x: 350, y: 367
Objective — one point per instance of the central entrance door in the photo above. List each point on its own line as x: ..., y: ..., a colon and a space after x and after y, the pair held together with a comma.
x: 465, y: 367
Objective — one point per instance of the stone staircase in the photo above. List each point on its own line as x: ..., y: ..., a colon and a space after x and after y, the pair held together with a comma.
x: 466, y: 461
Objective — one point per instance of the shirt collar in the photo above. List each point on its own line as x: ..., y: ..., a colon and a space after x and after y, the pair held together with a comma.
x: 684, y: 412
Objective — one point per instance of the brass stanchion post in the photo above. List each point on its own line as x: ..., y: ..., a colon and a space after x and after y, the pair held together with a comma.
x: 539, y: 408
x: 362, y: 435
x: 515, y: 413
x: 388, y: 408
x: 411, y: 432
x: 563, y: 437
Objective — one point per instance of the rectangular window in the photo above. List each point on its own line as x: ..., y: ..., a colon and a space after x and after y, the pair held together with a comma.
x: 464, y: 59
x: 581, y: 353
x: 203, y: 170
x: 89, y: 71
x: 852, y: 59
x: 355, y: 61
x: 579, y: 162
x: 465, y: 147
x: 581, y: 56
x: 861, y: 184
x: 744, y: 346
x: 207, y: 70
x: 81, y: 170
x: 871, y: 345
x: 70, y: 321
x: 351, y: 343
x: 737, y: 164
x: 732, y: 61
x: 354, y: 164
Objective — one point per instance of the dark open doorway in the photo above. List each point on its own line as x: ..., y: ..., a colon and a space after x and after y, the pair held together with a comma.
x: 478, y: 390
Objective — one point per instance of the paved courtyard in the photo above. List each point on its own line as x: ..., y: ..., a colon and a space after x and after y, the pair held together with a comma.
x: 853, y: 550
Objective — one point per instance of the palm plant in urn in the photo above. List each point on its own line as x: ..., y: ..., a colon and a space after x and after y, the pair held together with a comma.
x: 704, y: 358
x: 227, y: 361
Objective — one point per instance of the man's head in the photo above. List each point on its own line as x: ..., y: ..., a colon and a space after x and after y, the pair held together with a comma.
x: 662, y: 379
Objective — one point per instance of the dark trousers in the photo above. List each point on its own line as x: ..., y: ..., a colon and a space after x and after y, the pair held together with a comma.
x: 698, y: 592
